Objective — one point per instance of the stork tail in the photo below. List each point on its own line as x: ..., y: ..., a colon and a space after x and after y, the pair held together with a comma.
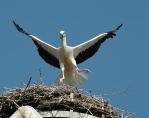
x: 81, y: 76
x: 78, y: 79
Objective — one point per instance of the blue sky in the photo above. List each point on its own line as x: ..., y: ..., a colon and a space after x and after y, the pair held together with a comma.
x: 120, y: 65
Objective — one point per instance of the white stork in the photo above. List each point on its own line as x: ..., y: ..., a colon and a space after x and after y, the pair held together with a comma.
x: 66, y: 57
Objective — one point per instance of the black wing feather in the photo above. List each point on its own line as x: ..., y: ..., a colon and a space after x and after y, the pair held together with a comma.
x: 88, y: 52
x: 82, y: 56
x: 49, y: 58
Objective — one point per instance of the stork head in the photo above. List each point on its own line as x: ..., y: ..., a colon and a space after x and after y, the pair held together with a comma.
x: 62, y: 35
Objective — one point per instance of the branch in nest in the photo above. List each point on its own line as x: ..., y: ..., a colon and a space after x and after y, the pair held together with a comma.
x: 28, y: 83
x: 13, y: 102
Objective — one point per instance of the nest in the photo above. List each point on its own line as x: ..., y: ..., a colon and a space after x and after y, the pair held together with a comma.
x: 45, y: 98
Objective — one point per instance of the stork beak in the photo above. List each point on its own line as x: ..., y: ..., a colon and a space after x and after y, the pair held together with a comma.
x: 62, y: 34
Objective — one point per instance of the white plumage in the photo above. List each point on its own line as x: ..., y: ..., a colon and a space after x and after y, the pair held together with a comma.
x: 66, y: 57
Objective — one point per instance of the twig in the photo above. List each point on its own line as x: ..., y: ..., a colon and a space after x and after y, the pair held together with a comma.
x: 13, y: 102
x: 87, y: 109
x: 28, y: 83
x: 40, y: 76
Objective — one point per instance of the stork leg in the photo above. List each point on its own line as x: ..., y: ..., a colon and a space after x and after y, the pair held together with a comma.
x: 62, y: 71
x: 63, y: 77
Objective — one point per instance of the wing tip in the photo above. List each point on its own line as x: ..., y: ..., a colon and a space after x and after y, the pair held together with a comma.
x: 119, y: 27
x: 19, y: 28
x: 13, y: 22
x: 16, y: 25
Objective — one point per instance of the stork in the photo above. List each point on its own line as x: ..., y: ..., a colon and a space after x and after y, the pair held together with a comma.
x: 67, y: 57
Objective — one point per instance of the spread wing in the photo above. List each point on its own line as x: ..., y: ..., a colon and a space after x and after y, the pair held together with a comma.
x: 48, y: 52
x: 87, y: 49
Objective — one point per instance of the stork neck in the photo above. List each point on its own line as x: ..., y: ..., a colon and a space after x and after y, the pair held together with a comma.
x: 64, y: 42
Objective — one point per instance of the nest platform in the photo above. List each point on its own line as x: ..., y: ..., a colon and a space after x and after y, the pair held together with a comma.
x: 45, y: 98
